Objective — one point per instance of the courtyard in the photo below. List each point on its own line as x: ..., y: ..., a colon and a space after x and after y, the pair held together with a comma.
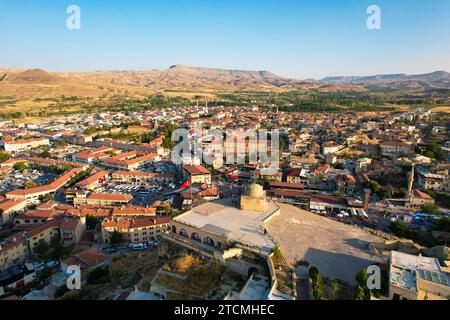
x: 338, y: 250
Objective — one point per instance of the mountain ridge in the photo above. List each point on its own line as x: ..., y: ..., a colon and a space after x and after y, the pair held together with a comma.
x: 439, y: 75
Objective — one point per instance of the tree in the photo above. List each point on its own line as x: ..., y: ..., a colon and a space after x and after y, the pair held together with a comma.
x: 41, y: 247
x: 4, y: 156
x: 91, y: 222
x: 359, y: 293
x: 45, y: 154
x: 116, y: 237
x: 168, y: 130
x: 98, y: 276
x: 46, y: 273
x: 30, y: 184
x: 47, y: 197
x: 335, y: 288
x: 313, y: 272
x: 442, y: 224
x: 361, y: 277
x: 277, y: 254
x: 430, y: 208
x: 20, y: 166
x: 317, y: 287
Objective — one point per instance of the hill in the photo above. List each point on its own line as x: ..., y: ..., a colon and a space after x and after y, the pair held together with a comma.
x: 425, y: 81
x: 180, y: 77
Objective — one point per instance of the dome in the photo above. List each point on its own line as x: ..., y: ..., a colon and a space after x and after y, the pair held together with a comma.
x: 255, y: 191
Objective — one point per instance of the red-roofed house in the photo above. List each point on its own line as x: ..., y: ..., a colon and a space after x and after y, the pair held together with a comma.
x: 197, y: 174
x: 135, y: 230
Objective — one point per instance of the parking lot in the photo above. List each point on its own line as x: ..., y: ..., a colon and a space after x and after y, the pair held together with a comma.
x: 143, y: 195
x: 17, y: 179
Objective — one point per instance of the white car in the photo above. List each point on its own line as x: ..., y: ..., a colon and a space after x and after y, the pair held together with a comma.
x: 139, y: 246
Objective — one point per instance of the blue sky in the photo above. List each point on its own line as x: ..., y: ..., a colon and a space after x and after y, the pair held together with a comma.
x: 299, y: 39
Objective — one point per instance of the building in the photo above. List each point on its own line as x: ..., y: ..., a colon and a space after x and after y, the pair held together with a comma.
x: 432, y: 181
x: 91, y: 156
x: 72, y: 138
x: 19, y: 246
x: 130, y: 211
x: 87, y: 259
x: 197, y: 174
x: 417, y: 278
x: 137, y: 129
x: 129, y: 161
x: 219, y: 226
x: 9, y: 207
x: 394, y: 148
x: 142, y: 177
x: 345, y: 184
x: 10, y: 145
x: 197, y: 194
x: 135, y: 230
x: 362, y: 164
x: 93, y: 181
x: 102, y: 199
x: 330, y: 147
x: 419, y: 198
x: 298, y: 175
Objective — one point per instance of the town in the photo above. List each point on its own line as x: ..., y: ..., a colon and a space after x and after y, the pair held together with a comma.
x: 101, y: 191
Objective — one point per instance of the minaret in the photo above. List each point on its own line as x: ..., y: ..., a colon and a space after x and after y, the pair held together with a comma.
x: 409, y: 192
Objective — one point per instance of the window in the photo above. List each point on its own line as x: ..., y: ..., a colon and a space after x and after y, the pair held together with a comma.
x: 196, y: 237
x: 209, y: 241
x: 184, y: 233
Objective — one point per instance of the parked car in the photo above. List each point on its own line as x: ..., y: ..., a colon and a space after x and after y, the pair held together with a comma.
x: 52, y: 263
x: 139, y: 247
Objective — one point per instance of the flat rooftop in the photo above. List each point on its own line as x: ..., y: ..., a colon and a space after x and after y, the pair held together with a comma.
x: 338, y: 250
x: 223, y: 218
x: 404, y: 267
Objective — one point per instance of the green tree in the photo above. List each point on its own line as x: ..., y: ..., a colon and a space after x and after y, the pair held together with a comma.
x: 47, y: 197
x: 46, y: 273
x: 442, y: 224
x: 30, y: 184
x: 20, y: 166
x: 45, y: 154
x: 317, y: 287
x: 91, y: 222
x: 359, y: 293
x: 98, y: 276
x: 116, y: 237
x: 335, y: 288
x: 41, y: 247
x: 313, y: 272
x: 4, y: 156
x: 430, y: 208
x: 361, y: 277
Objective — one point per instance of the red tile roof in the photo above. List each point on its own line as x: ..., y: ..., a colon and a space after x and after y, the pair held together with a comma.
x: 196, y: 169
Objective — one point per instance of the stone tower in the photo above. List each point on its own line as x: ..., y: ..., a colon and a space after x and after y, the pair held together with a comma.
x: 254, y: 199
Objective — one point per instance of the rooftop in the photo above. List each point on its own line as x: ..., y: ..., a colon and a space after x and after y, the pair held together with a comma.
x: 222, y: 218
